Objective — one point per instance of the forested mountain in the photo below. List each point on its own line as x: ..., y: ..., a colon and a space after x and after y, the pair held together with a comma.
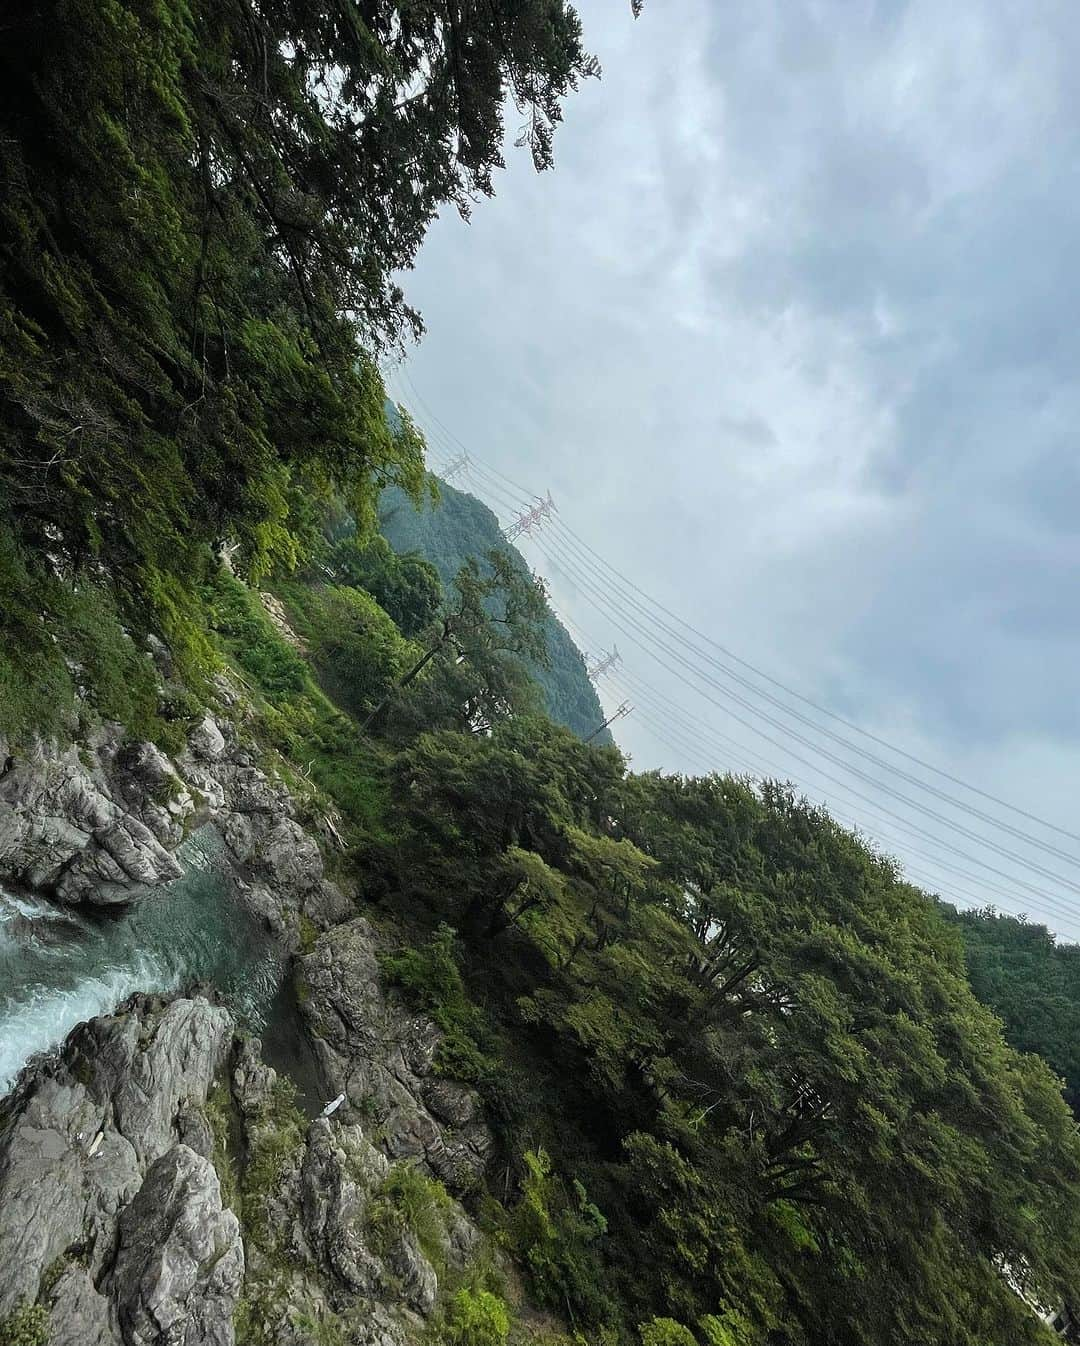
x: 458, y: 526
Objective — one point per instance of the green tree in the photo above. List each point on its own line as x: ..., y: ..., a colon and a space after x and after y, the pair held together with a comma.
x: 204, y: 207
x: 493, y: 619
x: 407, y: 587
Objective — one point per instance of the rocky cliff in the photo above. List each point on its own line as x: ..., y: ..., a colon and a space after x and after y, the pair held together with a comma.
x: 158, y: 1186
x: 97, y: 821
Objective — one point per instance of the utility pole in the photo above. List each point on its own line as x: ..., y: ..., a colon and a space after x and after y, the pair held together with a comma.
x: 459, y: 464
x: 601, y: 665
x: 529, y: 519
x: 624, y: 709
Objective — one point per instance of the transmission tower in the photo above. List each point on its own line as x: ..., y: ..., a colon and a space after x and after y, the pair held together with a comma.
x: 530, y: 519
x: 600, y: 666
x: 624, y: 709
x: 459, y: 464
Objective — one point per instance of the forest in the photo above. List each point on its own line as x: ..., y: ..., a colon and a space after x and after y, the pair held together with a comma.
x: 749, y: 1087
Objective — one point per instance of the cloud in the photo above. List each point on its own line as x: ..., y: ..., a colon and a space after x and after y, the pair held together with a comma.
x: 790, y: 334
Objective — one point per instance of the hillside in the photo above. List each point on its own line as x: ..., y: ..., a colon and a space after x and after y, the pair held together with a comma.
x: 1032, y: 982
x: 347, y: 998
x: 458, y: 527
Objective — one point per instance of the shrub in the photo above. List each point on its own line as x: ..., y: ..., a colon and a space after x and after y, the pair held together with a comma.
x: 665, y: 1332
x: 27, y: 1326
x: 409, y: 1200
x: 356, y: 646
x: 432, y: 976
x: 476, y: 1318
x: 554, y: 1231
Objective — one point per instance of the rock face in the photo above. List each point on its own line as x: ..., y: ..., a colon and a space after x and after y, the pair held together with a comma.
x: 97, y: 823
x: 114, y: 1156
x: 381, y: 1058
x: 179, y: 1260
x: 96, y: 1183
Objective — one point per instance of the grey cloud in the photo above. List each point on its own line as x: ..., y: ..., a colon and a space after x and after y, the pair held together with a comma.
x: 791, y: 333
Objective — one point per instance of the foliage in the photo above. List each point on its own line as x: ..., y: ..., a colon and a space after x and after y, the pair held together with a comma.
x: 455, y: 527
x: 554, y: 1232
x: 472, y: 674
x: 298, y: 718
x: 430, y: 974
x: 59, y: 635
x: 405, y: 586
x: 476, y: 1318
x: 665, y: 1332
x: 748, y: 1039
x: 354, y: 645
x: 204, y: 208
x: 28, y: 1325
x: 1032, y: 982
x: 234, y: 611
x: 408, y: 1199
x: 275, y: 1139
x: 220, y: 1114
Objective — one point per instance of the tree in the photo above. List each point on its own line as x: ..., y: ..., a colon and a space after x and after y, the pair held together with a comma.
x: 204, y: 206
x: 407, y: 587
x: 494, y: 619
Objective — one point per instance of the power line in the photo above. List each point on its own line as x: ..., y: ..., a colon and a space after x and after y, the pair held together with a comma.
x: 933, y: 790
x: 490, y: 480
x: 635, y: 629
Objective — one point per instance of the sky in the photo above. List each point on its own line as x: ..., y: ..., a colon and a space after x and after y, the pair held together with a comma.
x: 790, y: 334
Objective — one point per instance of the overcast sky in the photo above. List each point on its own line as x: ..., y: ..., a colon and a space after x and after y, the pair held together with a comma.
x: 791, y: 335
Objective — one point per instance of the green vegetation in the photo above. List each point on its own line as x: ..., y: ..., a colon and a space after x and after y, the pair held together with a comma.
x: 430, y: 974
x: 476, y: 1318
x: 1032, y: 983
x: 408, y: 1200
x: 27, y: 1326
x: 205, y: 207
x: 666, y: 1332
x: 275, y: 1139
x: 771, y: 1108
x: 455, y: 527
x: 405, y: 586
x: 220, y: 1114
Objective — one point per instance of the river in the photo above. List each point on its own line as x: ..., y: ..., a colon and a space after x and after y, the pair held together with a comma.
x: 59, y: 967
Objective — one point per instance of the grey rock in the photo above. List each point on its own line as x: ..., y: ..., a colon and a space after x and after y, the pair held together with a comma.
x: 206, y: 739
x: 138, y: 1079
x: 380, y: 1056
x: 78, y: 1314
x: 340, y: 1171
x: 150, y: 1068
x: 180, y: 1261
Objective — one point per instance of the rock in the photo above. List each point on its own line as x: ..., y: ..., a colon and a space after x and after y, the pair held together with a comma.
x: 380, y: 1056
x: 151, y: 1068
x: 134, y: 1078
x: 111, y: 1211
x: 206, y: 740
x: 180, y: 1262
x: 78, y: 1314
x: 412, y: 1273
x: 339, y: 1173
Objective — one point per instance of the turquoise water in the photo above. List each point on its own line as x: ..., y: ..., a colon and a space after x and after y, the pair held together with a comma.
x: 58, y: 967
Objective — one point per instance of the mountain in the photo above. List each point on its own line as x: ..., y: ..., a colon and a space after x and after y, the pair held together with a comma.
x: 459, y: 526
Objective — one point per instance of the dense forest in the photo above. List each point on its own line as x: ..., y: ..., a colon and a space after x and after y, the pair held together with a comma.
x: 455, y: 526
x: 1032, y: 982
x: 742, y: 1089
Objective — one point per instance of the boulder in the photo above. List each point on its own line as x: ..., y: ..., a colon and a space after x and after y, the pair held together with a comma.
x: 179, y: 1265
x: 78, y: 1314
